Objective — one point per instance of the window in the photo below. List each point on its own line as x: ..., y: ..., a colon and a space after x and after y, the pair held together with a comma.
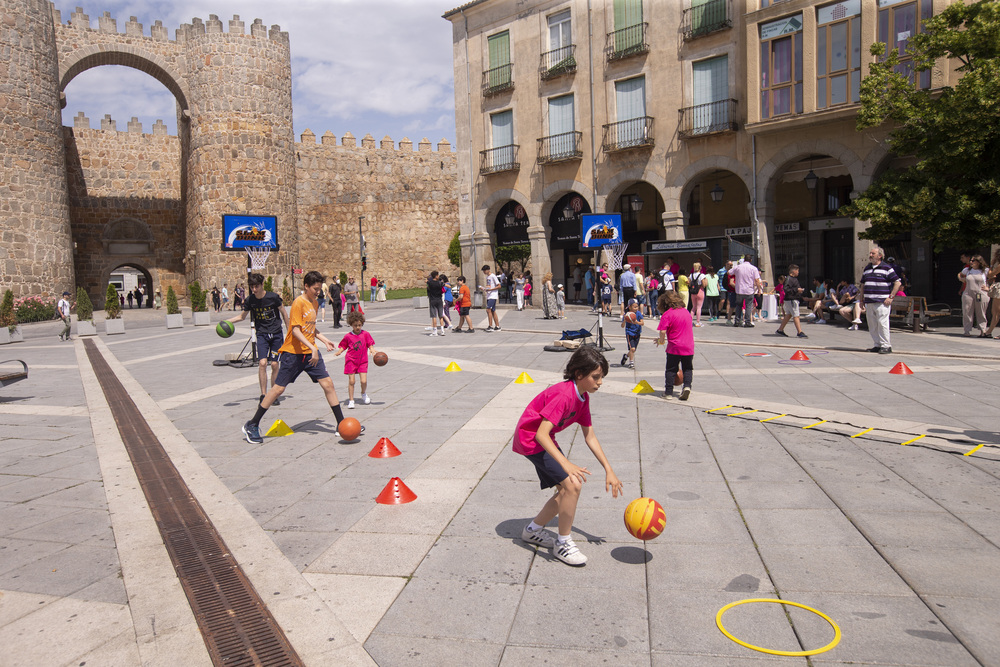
x: 562, y: 125
x: 630, y: 98
x: 502, y: 125
x: 560, y: 31
x: 628, y: 25
x: 560, y: 58
x: 838, y: 54
x: 499, y: 74
x: 781, y: 67
x: 710, y: 79
x: 897, y: 22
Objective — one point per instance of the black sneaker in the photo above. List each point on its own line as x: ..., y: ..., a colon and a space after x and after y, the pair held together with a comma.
x: 624, y: 360
x: 885, y: 350
x: 874, y: 349
x: 251, y: 432
x: 497, y: 329
x: 802, y: 334
x: 781, y: 333
x: 489, y: 328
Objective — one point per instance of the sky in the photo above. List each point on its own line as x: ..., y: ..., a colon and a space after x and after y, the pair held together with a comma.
x: 382, y: 67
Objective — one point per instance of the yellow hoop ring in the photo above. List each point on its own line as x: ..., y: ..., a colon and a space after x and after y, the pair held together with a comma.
x: 836, y: 630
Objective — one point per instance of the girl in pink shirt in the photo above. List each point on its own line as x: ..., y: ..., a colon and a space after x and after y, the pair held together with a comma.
x: 553, y: 410
x: 676, y: 330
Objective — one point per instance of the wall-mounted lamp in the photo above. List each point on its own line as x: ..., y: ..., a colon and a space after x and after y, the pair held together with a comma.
x: 717, y: 193
x: 509, y: 217
x: 811, y: 179
x: 568, y: 212
x: 636, y: 203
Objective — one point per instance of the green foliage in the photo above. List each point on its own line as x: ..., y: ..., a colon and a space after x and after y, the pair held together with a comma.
x: 342, y: 278
x: 34, y: 309
x: 286, y: 292
x: 455, y: 252
x: 112, y: 304
x: 8, y: 317
x: 507, y: 255
x: 268, y: 284
x: 84, y: 306
x: 198, y: 297
x: 172, y: 307
x: 952, y: 193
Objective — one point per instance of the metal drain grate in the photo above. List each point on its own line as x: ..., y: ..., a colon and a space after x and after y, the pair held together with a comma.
x: 237, y: 627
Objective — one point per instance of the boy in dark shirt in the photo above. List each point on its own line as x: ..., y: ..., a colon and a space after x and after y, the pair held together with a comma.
x: 266, y: 314
x: 793, y: 292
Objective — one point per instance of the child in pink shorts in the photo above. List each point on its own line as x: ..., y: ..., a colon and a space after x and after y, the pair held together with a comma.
x: 358, y: 344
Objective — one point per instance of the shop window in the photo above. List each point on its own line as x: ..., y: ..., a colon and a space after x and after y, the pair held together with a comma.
x: 838, y: 54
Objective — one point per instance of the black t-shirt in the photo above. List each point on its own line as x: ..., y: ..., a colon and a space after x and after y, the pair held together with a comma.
x: 264, y: 312
x: 434, y: 291
x: 792, y: 287
x: 335, y: 294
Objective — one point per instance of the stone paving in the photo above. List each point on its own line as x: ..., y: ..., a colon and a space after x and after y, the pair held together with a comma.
x: 897, y: 544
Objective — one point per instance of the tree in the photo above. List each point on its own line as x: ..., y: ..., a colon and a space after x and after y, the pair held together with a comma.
x: 268, y: 284
x: 112, y: 306
x: 172, y: 307
x: 952, y: 194
x: 198, y: 297
x: 84, y: 306
x: 8, y: 316
x: 508, y: 254
x: 455, y: 252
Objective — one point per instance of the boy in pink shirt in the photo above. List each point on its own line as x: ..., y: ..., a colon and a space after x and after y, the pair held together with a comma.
x: 552, y: 411
x: 677, y: 331
x: 358, y: 344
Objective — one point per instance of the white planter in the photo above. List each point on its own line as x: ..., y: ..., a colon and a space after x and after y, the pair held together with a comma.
x: 420, y: 303
x: 4, y: 336
x: 17, y: 336
x: 112, y: 327
x: 175, y: 321
x: 86, y: 328
x: 202, y: 319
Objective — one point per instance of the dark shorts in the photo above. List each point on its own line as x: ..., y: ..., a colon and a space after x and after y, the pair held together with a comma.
x: 576, y: 286
x: 491, y: 304
x: 464, y: 310
x: 633, y: 341
x: 550, y: 473
x: 268, y: 345
x: 292, y: 365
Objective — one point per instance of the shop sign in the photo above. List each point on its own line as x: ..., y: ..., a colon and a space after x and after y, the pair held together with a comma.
x: 787, y: 227
x: 784, y: 26
x: 737, y: 231
x: 836, y: 223
x: 673, y: 246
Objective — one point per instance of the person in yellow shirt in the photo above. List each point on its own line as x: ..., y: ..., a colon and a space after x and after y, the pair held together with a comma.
x: 299, y: 354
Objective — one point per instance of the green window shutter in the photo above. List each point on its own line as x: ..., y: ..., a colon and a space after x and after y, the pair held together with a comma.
x: 628, y: 13
x: 500, y: 69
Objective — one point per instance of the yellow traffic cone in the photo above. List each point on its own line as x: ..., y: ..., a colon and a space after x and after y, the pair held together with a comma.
x: 452, y: 368
x: 524, y: 378
x: 278, y: 428
x: 643, y: 388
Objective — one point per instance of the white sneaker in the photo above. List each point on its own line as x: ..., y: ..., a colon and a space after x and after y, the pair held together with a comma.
x: 434, y: 333
x: 350, y: 405
x: 857, y: 321
x: 366, y: 399
x: 541, y: 537
x: 685, y: 392
x: 853, y: 327
x: 568, y: 553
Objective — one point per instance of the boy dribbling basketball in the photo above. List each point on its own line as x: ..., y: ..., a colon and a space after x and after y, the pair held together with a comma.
x: 552, y: 411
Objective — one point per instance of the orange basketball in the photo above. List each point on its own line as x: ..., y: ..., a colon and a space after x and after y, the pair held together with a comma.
x: 631, y: 318
x: 679, y: 378
x: 645, y: 518
x: 380, y: 358
x: 349, y: 428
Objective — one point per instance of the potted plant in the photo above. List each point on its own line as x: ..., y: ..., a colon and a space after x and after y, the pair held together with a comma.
x: 9, y: 331
x: 174, y: 318
x: 199, y: 309
x: 286, y: 296
x: 113, y: 322
x: 84, y: 314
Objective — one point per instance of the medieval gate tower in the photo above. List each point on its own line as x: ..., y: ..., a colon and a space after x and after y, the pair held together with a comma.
x: 237, y: 151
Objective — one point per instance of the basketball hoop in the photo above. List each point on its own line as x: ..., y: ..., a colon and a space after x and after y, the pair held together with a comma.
x: 616, y: 253
x: 258, y: 256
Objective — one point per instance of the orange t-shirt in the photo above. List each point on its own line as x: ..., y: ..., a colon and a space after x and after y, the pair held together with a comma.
x: 464, y: 297
x: 303, y: 315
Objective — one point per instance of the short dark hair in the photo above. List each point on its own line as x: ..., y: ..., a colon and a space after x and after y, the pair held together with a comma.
x: 255, y: 279
x: 312, y: 278
x: 461, y: 279
x: 355, y: 316
x: 585, y: 361
x: 486, y: 267
x: 434, y: 274
x: 443, y: 278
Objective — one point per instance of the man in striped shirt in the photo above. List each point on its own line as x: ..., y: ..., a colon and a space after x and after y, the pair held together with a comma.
x: 878, y: 287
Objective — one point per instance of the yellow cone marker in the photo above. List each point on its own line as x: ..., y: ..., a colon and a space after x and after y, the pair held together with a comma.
x: 643, y: 388
x: 278, y: 428
x: 524, y: 378
x: 452, y: 368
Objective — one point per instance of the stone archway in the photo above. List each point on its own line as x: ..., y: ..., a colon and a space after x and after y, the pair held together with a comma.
x: 147, y: 280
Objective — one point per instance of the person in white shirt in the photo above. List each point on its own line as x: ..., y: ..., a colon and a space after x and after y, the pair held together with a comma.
x: 63, y: 309
x: 492, y: 291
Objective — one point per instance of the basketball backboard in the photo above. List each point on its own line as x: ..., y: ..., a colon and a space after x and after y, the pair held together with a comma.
x: 249, y: 231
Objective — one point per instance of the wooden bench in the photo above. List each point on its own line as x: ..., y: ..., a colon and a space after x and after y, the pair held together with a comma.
x: 9, y: 376
x: 913, y: 313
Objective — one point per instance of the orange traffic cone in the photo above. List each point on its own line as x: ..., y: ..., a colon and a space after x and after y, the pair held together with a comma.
x: 901, y: 369
x: 396, y: 493
x: 384, y: 450
x: 799, y: 356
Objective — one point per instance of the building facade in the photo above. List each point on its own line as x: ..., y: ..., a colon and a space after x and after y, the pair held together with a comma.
x: 709, y: 125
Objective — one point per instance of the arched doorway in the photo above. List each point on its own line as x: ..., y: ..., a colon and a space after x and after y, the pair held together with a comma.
x: 568, y: 261
x: 127, y: 277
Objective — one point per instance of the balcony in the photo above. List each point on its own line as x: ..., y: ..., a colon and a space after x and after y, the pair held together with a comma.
x: 627, y: 42
x: 496, y: 160
x: 705, y: 19
x: 711, y: 118
x: 627, y: 134
x: 498, y: 80
x: 560, y: 147
x: 558, y: 62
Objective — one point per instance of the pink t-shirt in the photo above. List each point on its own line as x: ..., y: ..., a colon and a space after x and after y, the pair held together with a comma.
x: 747, y: 276
x: 680, y: 333
x: 559, y: 404
x: 357, y: 346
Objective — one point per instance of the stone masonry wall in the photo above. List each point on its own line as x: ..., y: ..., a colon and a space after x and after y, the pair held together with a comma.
x: 408, y: 199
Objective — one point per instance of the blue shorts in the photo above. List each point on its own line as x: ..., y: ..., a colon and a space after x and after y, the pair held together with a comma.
x: 633, y: 341
x: 491, y: 304
x: 268, y: 345
x: 550, y: 473
x: 292, y: 365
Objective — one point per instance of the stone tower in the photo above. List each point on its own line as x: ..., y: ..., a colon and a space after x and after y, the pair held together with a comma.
x: 36, y: 247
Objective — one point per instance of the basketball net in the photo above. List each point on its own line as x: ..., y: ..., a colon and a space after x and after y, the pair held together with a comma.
x: 258, y: 256
x: 615, y: 253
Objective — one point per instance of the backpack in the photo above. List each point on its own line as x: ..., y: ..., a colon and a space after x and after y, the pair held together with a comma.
x: 695, y: 285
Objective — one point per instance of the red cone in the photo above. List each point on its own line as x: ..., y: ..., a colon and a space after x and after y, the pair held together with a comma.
x: 901, y: 369
x: 384, y: 450
x: 396, y: 493
x: 799, y: 356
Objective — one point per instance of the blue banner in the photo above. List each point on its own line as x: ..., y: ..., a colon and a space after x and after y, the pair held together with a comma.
x: 255, y: 231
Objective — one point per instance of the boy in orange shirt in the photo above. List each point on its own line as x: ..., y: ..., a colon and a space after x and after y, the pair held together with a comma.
x: 300, y: 353
x: 464, y: 302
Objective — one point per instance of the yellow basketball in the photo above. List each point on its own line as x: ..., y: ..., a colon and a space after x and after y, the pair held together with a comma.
x: 645, y: 518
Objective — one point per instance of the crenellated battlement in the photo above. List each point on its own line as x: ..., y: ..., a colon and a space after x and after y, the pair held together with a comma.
x: 158, y: 32
x: 308, y: 138
x: 81, y: 122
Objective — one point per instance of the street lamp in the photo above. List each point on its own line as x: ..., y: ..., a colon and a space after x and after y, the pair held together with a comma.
x: 636, y: 203
x: 716, y: 193
x: 509, y: 218
x: 811, y: 179
x: 568, y: 212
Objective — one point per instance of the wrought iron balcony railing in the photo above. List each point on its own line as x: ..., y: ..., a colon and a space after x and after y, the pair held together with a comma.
x: 558, y: 62
x: 501, y: 158
x: 498, y: 79
x: 560, y: 147
x: 626, y: 134
x: 627, y: 42
x: 710, y: 17
x: 711, y: 118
